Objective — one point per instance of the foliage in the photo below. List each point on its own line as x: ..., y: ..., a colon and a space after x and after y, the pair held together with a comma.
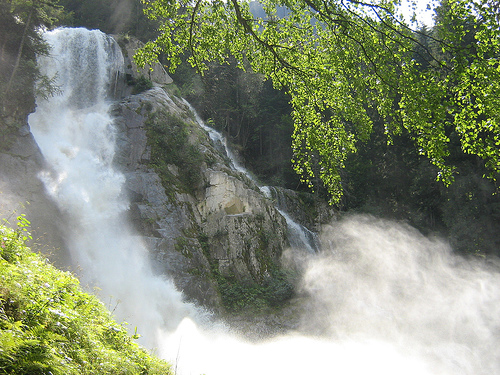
x: 48, y: 325
x: 168, y: 136
x: 394, y: 181
x: 243, y: 296
x: 20, y: 42
x: 253, y: 116
x: 141, y: 84
x: 346, y: 64
x: 273, y: 293
x: 471, y: 213
x: 109, y: 16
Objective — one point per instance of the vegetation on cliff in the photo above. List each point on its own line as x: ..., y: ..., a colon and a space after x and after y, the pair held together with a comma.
x: 168, y: 136
x: 177, y: 157
x: 48, y: 325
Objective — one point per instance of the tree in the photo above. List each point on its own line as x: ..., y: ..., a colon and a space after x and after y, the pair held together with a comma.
x: 110, y: 16
x: 253, y: 115
x: 348, y: 65
x: 20, y: 42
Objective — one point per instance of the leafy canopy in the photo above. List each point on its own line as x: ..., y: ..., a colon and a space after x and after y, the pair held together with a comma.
x: 348, y: 65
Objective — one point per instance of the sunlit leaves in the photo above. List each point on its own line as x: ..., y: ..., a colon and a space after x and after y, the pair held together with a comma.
x: 348, y: 63
x: 48, y: 325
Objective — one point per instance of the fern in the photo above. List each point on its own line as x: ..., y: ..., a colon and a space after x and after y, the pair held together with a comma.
x: 48, y: 325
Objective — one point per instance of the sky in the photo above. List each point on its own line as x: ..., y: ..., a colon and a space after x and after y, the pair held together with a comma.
x: 423, y: 8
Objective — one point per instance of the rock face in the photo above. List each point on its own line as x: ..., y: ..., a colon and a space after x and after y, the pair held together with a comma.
x: 203, y: 219
x: 155, y: 73
x: 22, y: 192
x: 304, y: 208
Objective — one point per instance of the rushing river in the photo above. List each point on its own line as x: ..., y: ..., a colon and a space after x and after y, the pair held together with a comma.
x: 378, y: 298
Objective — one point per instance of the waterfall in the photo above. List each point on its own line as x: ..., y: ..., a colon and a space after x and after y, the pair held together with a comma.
x: 380, y: 298
x: 299, y: 237
x: 219, y: 139
x: 75, y: 133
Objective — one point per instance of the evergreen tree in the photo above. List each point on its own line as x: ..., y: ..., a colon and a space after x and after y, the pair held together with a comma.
x: 20, y: 42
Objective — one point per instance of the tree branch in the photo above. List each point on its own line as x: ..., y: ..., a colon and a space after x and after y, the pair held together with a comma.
x: 191, y: 28
x: 271, y: 48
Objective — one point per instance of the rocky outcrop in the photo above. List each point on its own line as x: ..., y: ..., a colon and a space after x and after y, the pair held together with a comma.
x: 304, y: 208
x: 246, y: 233
x: 155, y: 73
x: 203, y: 219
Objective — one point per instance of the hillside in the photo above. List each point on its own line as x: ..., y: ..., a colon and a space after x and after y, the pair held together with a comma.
x: 49, y: 325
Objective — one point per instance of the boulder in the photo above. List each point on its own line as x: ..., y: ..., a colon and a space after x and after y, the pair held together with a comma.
x: 156, y: 73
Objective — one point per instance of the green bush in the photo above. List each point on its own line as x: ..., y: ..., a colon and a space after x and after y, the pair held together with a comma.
x: 141, y: 84
x: 48, y: 325
x: 248, y: 295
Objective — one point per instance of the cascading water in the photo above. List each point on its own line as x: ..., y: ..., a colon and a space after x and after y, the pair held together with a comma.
x: 379, y: 298
x: 75, y: 133
x: 218, y: 138
x: 299, y: 236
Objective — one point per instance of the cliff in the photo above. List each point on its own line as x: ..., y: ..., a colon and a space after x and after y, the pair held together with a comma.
x: 203, y: 220
x: 20, y: 188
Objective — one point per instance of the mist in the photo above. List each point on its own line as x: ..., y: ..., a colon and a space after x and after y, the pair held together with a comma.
x: 384, y: 280
x: 122, y: 12
x: 380, y: 298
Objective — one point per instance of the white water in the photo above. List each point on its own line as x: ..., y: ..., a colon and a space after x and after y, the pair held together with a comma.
x: 217, y: 137
x: 299, y: 236
x: 75, y: 133
x: 379, y: 299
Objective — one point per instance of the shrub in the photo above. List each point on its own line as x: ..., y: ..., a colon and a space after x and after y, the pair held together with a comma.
x: 48, y: 325
x: 141, y: 84
x: 248, y: 295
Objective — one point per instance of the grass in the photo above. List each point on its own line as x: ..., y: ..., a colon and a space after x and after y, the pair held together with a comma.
x: 48, y: 325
